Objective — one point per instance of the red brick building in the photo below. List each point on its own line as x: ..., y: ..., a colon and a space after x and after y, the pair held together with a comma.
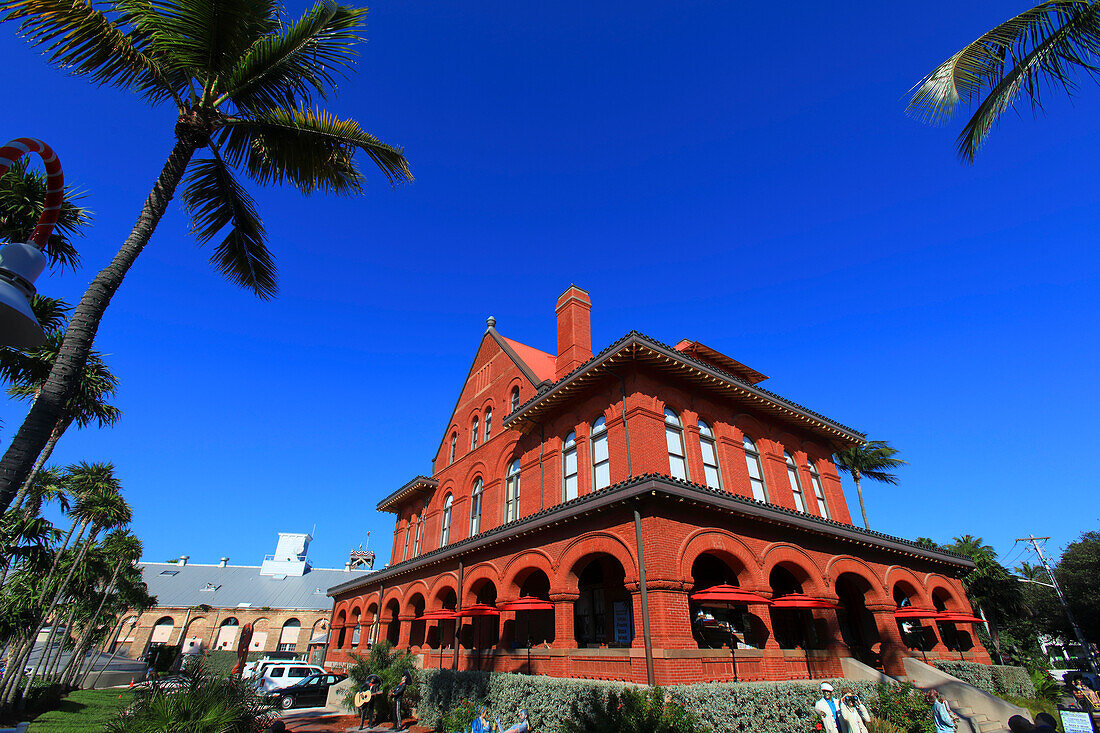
x: 616, y: 485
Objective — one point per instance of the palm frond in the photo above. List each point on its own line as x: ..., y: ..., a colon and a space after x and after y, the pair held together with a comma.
x: 286, y: 70
x: 83, y: 40
x: 215, y: 200
x: 22, y: 199
x: 313, y: 150
x: 206, y: 38
x: 1039, y: 47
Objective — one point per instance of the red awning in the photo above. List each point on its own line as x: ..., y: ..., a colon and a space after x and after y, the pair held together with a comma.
x: 912, y: 612
x: 800, y: 600
x: 527, y: 603
x: 728, y: 594
x: 479, y: 609
x: 442, y: 614
x: 959, y: 618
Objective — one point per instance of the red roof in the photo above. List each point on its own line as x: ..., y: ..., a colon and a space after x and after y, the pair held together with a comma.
x: 541, y: 363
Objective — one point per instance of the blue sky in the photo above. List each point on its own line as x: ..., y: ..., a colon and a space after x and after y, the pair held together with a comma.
x: 743, y: 175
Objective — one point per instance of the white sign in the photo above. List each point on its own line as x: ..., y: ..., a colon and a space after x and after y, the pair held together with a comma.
x: 1075, y: 722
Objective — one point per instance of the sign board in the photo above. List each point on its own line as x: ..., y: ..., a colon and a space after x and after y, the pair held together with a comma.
x: 1075, y: 721
x: 622, y: 624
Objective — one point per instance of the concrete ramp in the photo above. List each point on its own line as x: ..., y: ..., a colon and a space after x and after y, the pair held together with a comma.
x: 980, y: 711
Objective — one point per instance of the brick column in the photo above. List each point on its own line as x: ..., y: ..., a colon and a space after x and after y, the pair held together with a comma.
x: 891, y: 648
x: 404, y: 631
x: 763, y: 613
x: 669, y: 615
x: 564, y: 637
x: 835, y: 643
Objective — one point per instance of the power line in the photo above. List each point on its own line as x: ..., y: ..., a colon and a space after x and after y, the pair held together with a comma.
x: 1061, y: 597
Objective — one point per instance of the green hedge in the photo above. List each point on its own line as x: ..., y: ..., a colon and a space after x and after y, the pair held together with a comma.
x: 776, y: 707
x: 998, y: 679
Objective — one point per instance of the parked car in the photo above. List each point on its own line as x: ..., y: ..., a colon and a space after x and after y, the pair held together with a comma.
x: 311, y: 691
x: 256, y: 669
x: 277, y: 676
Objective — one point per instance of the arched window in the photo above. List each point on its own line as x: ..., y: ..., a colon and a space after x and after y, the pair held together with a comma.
x: 601, y: 465
x: 674, y: 436
x: 709, y: 449
x: 454, y: 444
x: 419, y: 528
x: 288, y: 637
x: 511, y: 492
x: 569, y: 467
x: 408, y: 533
x: 819, y: 492
x: 475, y: 508
x: 515, y: 399
x: 445, y: 532
x: 473, y: 435
x: 756, y: 470
x: 488, y: 423
x: 796, y: 485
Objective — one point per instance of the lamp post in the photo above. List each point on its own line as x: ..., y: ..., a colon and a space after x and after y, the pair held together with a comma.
x: 21, y: 263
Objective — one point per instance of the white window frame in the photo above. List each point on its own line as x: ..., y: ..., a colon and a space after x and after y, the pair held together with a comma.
x: 511, y: 492
x: 753, y: 458
x: 819, y: 490
x: 408, y: 532
x: 454, y: 445
x: 674, y: 433
x: 598, y: 442
x: 445, y: 531
x: 488, y: 423
x: 419, y: 529
x: 473, y: 434
x: 514, y: 401
x: 795, y: 482
x: 570, y: 470
x: 708, y: 445
x: 476, y: 501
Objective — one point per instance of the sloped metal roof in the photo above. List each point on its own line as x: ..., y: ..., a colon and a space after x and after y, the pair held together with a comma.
x: 182, y: 586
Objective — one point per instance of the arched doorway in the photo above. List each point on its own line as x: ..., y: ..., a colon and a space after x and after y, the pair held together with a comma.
x: 603, y: 612
x: 533, y: 628
x: 193, y: 636
x: 716, y: 625
x: 857, y: 624
x: 227, y: 634
x: 914, y: 633
x: 794, y: 628
x: 482, y: 632
x: 341, y: 630
x: 416, y: 610
x: 393, y: 623
x: 353, y: 622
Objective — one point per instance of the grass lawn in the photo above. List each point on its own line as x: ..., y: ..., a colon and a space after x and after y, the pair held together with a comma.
x: 83, y: 711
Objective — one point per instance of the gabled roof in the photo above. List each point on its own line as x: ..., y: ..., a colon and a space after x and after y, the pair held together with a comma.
x: 720, y: 360
x: 419, y: 485
x: 636, y: 346
x: 540, y: 363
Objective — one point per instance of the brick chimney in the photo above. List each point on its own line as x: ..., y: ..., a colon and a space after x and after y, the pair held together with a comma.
x: 574, y: 312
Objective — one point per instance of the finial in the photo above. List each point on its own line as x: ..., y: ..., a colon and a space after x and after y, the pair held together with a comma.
x: 490, y: 322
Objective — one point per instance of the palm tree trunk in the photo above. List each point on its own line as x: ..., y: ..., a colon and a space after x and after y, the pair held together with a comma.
x: 55, y: 435
x: 53, y: 658
x: 57, y: 598
x: 57, y: 555
x: 859, y: 491
x: 110, y: 640
x: 71, y: 359
x: 95, y: 618
x: 16, y: 661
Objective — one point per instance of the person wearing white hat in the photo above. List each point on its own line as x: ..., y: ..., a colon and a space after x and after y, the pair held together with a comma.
x: 828, y: 709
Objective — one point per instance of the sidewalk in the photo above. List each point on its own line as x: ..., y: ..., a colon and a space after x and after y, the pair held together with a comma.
x: 327, y: 721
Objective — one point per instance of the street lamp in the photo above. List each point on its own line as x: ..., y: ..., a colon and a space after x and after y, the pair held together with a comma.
x: 21, y: 263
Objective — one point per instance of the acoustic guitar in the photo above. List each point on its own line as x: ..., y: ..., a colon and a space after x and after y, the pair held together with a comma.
x: 362, y: 698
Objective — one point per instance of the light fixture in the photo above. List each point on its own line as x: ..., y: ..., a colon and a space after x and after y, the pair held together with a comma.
x: 21, y: 263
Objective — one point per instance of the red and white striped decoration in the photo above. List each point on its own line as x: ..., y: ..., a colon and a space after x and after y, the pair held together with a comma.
x: 55, y: 181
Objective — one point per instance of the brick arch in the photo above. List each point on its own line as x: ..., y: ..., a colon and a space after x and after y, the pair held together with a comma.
x: 896, y: 574
x: 442, y: 582
x: 794, y: 557
x: 847, y: 564
x: 585, y: 547
x: 417, y: 586
x: 340, y: 617
x: 489, y: 401
x: 342, y: 607
x: 564, y: 425
x: 478, y: 573
x: 677, y: 401
x: 955, y: 601
x: 393, y: 595
x: 509, y: 452
x: 519, y: 565
x: 749, y: 425
x: 726, y: 546
x: 410, y: 596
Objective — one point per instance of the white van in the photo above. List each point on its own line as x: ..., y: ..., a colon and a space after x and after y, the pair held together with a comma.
x: 278, y: 676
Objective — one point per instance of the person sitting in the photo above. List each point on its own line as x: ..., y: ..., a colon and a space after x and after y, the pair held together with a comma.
x: 521, y: 725
x: 481, y: 723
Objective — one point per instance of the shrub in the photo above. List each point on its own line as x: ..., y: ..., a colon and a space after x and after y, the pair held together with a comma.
x: 1046, y: 688
x: 905, y: 706
x: 458, y: 718
x: 631, y: 710
x: 389, y: 665
x: 204, y: 704
x: 997, y: 679
x: 877, y: 725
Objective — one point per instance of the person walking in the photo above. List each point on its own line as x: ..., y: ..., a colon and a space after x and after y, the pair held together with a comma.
x: 942, y: 715
x: 397, y: 693
x: 853, y: 713
x: 828, y: 709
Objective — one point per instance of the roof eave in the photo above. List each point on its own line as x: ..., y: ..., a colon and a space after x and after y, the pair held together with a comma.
x: 420, y: 484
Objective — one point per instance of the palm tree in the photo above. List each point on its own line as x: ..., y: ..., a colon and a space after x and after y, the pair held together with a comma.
x: 245, y: 85
x: 124, y: 548
x: 22, y: 199
x: 989, y: 586
x: 1040, y: 48
x: 875, y: 460
x: 103, y: 508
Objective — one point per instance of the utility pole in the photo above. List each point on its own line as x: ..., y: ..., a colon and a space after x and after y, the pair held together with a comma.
x: 1061, y: 597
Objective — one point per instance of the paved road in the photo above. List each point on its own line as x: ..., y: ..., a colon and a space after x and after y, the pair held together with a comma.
x: 113, y: 664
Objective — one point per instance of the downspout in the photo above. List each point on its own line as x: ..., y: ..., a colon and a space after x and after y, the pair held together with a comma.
x: 458, y: 621
x: 645, y: 596
x: 626, y: 428
x: 542, y: 451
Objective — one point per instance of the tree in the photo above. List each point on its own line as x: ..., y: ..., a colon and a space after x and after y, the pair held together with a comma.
x: 991, y: 588
x: 389, y: 664
x: 875, y: 460
x: 1076, y: 571
x: 245, y: 85
x: 22, y: 199
x: 1043, y: 47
